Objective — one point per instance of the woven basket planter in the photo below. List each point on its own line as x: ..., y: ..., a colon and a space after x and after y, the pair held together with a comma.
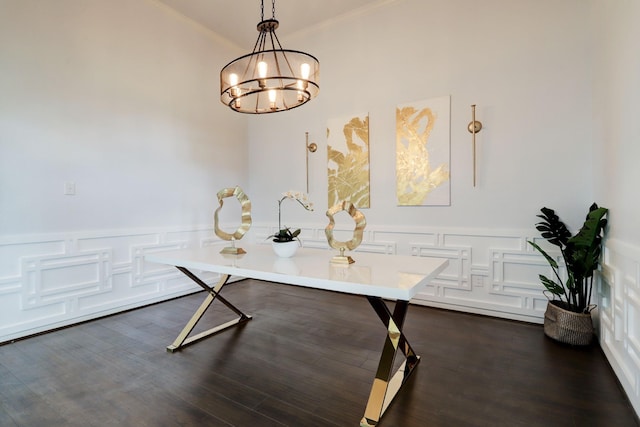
x: 567, y: 326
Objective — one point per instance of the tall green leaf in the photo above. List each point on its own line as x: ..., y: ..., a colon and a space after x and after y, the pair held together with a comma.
x: 551, y: 286
x: 583, y: 249
x: 552, y: 228
x: 552, y: 262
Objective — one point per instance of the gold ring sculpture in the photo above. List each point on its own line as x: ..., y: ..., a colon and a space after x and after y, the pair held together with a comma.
x: 360, y: 223
x: 245, y: 204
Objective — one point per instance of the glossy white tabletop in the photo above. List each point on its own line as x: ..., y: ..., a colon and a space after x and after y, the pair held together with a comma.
x: 386, y: 276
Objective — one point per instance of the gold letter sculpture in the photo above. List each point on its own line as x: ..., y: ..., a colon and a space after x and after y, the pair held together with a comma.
x: 360, y: 223
x: 245, y: 203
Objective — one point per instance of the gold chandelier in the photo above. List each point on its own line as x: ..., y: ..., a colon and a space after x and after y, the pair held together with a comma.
x: 269, y: 79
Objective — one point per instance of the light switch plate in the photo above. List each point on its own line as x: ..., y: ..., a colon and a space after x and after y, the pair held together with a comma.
x: 70, y: 188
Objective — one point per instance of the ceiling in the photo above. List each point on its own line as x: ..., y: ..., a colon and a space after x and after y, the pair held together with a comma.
x: 236, y: 20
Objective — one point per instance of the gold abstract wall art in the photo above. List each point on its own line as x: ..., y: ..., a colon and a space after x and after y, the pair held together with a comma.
x: 348, y: 160
x: 423, y: 153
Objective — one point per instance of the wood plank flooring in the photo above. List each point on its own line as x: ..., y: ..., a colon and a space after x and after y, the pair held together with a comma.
x: 307, y: 358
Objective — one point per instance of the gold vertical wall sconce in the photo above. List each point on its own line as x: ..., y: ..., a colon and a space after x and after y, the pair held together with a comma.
x: 309, y: 148
x: 474, y: 127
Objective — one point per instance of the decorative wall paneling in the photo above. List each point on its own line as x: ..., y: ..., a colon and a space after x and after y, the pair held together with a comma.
x: 52, y: 281
x: 490, y: 272
x: 618, y: 315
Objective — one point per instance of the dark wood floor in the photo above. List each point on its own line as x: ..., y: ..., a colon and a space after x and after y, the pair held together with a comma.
x: 307, y: 358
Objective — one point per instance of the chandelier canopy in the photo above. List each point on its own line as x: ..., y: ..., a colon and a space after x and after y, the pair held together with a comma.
x: 269, y: 79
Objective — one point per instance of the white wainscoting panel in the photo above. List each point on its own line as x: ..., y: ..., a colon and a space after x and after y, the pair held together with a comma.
x: 492, y: 272
x: 618, y: 315
x: 51, y: 281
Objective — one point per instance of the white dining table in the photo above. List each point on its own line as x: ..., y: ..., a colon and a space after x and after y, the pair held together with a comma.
x: 378, y: 277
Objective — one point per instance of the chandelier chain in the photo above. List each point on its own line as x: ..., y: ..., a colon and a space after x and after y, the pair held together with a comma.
x: 273, y: 10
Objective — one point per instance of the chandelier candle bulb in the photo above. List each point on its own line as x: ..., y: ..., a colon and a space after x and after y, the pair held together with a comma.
x: 272, y: 98
x: 305, y: 70
x: 262, y: 69
x: 262, y: 74
x: 233, y: 80
x: 300, y: 89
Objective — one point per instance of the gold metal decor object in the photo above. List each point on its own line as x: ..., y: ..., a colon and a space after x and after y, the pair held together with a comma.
x: 310, y: 148
x: 387, y: 384
x: 245, y: 204
x: 360, y: 223
x: 183, y: 338
x: 474, y: 127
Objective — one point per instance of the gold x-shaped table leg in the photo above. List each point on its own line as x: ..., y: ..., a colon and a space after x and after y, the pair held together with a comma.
x: 213, y: 294
x: 387, y: 384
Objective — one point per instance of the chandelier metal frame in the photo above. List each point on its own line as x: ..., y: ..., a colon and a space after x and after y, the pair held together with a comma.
x: 269, y: 79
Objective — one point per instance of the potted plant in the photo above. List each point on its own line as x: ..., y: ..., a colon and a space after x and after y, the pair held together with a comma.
x: 568, y: 315
x: 285, y: 241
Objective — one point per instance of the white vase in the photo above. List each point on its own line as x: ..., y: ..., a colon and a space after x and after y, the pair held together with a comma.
x: 285, y: 249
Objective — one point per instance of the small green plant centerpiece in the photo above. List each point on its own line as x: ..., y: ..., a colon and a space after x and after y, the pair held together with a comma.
x: 286, y: 234
x: 568, y: 315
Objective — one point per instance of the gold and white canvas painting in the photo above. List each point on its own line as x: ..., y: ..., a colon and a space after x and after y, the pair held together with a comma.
x: 348, y: 160
x: 423, y: 153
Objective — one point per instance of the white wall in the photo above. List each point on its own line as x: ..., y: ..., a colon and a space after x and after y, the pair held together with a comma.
x: 615, y: 114
x: 557, y: 88
x: 121, y: 98
x: 527, y: 66
x: 616, y: 128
